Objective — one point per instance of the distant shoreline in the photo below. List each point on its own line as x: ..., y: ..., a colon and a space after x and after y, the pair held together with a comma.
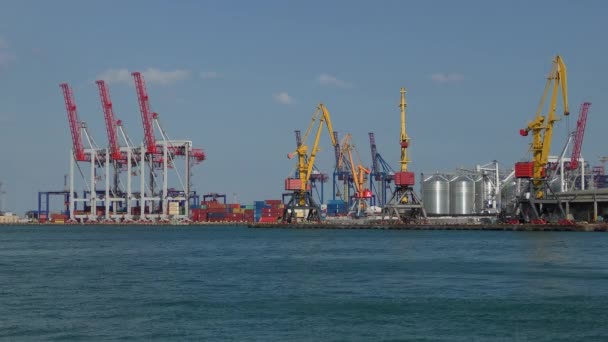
x: 583, y: 227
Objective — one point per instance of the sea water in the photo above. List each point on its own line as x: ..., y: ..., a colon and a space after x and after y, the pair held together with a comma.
x: 175, y: 283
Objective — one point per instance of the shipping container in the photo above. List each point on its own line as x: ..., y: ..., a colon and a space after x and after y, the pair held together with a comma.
x: 268, y: 219
x: 215, y: 215
x: 405, y: 178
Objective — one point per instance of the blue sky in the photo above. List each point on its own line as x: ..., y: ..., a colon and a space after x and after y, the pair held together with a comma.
x: 237, y: 77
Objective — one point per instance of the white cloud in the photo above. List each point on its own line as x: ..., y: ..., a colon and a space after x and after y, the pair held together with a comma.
x: 157, y: 76
x: 283, y: 98
x: 115, y: 76
x: 441, y: 77
x: 151, y: 75
x: 326, y: 79
x: 207, y: 75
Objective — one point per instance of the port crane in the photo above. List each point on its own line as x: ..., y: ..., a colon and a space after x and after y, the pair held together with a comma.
x: 570, y: 171
x: 114, y: 156
x: 317, y: 176
x: 542, y: 133
x: 381, y: 172
x: 79, y: 153
x: 361, y: 195
x: 404, y: 203
x: 160, y: 154
x: 343, y: 170
x: 340, y: 175
x: 123, y: 158
x: 301, y: 204
x: 579, y: 134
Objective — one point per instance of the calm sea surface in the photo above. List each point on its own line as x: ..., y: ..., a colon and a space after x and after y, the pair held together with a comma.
x: 239, y: 284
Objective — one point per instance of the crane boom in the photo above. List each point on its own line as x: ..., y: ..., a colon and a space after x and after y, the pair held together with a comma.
x: 108, y: 112
x: 337, y: 151
x: 306, y: 162
x: 147, y: 116
x: 581, y: 123
x: 542, y: 127
x: 74, y: 121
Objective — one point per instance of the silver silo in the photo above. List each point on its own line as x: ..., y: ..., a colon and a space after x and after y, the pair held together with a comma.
x: 462, y: 195
x: 483, y: 194
x: 508, y: 196
x: 436, y: 195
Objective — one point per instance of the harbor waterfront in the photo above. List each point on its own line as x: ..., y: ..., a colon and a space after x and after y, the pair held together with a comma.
x: 352, y: 224
x: 227, y: 283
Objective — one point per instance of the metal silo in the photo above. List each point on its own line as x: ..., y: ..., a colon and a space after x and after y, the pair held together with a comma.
x: 436, y: 195
x: 508, y: 197
x: 483, y: 194
x: 462, y: 196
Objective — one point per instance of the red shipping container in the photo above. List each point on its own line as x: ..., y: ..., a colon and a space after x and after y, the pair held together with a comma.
x: 524, y: 170
x: 293, y: 184
x: 272, y: 210
x: 194, y: 213
x: 405, y: 178
x: 237, y: 217
x: 272, y: 202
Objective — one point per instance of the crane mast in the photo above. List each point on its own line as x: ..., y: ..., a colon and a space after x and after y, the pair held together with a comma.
x: 404, y: 139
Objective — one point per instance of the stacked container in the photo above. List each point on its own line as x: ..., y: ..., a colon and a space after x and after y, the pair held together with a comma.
x: 214, y: 211
x: 336, y: 208
x: 269, y: 211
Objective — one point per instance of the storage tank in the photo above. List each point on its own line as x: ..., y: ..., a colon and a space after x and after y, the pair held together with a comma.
x: 436, y: 195
x: 483, y: 194
x: 462, y: 195
x: 508, y: 197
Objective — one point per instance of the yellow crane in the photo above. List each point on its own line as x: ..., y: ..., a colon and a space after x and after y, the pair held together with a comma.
x: 542, y: 126
x: 404, y: 203
x: 301, y: 195
x: 362, y: 194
